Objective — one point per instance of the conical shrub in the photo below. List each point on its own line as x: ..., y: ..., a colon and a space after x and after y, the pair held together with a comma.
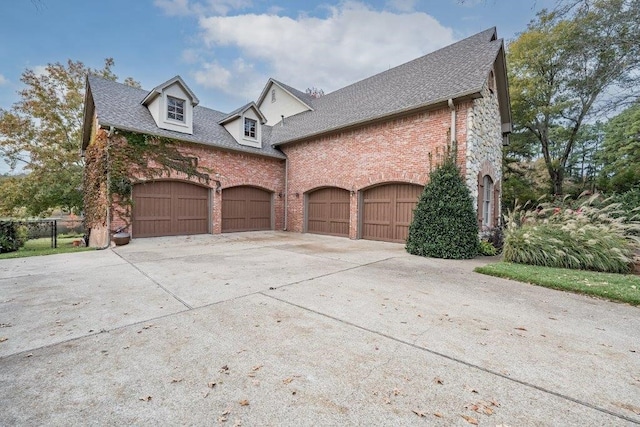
x: 444, y: 222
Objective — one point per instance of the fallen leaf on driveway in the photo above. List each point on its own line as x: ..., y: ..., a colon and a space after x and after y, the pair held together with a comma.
x: 224, y: 370
x: 146, y: 398
x: 419, y: 413
x: 396, y: 391
x: 244, y: 402
x: 437, y: 380
x: 205, y: 393
x: 176, y: 380
x: 520, y: 328
x: 470, y: 389
x: 257, y: 367
x: 147, y: 326
x: 211, y: 384
x: 287, y: 380
x: 470, y: 420
x: 3, y: 339
x: 438, y: 414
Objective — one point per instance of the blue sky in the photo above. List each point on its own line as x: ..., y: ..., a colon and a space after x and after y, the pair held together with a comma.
x: 227, y: 49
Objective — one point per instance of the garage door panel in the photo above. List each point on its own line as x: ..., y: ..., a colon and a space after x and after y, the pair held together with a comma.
x: 328, y: 211
x: 168, y: 208
x: 246, y: 209
x: 388, y: 211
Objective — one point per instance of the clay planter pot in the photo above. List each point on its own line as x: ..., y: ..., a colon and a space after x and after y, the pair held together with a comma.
x: 121, y: 239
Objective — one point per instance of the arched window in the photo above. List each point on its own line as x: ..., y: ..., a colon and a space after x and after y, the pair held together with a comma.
x: 487, y: 201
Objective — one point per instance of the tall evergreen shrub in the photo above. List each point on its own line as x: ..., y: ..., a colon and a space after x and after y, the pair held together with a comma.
x: 444, y: 222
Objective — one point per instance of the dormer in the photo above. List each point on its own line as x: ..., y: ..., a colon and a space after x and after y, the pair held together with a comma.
x: 278, y: 100
x: 171, y: 105
x: 245, y: 125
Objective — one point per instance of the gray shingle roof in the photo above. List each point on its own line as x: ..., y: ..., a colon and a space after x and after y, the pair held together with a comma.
x: 455, y: 71
x: 119, y: 105
x: 460, y: 69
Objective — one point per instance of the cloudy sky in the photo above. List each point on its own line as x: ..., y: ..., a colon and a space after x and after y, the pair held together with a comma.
x: 227, y: 49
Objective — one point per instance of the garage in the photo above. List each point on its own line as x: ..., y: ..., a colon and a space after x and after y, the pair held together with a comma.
x: 328, y: 211
x: 169, y: 208
x: 388, y: 211
x: 246, y: 209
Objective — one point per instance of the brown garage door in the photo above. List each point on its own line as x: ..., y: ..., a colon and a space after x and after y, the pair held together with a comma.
x: 245, y: 209
x: 169, y: 208
x: 388, y: 211
x: 328, y: 212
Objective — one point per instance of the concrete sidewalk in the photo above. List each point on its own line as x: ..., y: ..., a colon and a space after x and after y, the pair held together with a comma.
x: 272, y: 328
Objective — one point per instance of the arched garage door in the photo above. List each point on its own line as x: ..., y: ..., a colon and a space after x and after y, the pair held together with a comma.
x: 169, y: 208
x: 245, y: 209
x: 328, y: 211
x: 388, y: 211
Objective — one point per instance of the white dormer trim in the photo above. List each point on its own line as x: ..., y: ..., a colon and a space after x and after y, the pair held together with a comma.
x: 235, y: 125
x: 176, y: 116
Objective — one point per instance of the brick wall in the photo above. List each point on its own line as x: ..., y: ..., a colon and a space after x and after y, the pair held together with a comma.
x: 392, y: 151
x: 231, y: 169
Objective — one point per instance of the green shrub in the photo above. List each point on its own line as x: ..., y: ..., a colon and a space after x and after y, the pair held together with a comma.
x: 12, y: 236
x: 487, y: 248
x: 589, y: 238
x: 444, y: 222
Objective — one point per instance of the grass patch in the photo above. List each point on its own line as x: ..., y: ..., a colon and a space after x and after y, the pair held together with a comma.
x: 42, y: 246
x: 614, y: 287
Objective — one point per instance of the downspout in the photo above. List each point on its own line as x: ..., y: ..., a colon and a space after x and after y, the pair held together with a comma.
x: 286, y: 192
x: 286, y: 184
x: 112, y: 130
x: 453, y: 125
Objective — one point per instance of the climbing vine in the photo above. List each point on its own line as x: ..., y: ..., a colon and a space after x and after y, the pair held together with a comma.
x: 120, y: 160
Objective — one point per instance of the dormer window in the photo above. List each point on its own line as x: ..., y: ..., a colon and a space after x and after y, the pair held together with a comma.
x: 250, y: 126
x: 175, y: 109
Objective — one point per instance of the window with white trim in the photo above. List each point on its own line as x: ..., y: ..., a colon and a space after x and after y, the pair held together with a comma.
x: 487, y: 200
x: 250, y: 127
x: 175, y: 109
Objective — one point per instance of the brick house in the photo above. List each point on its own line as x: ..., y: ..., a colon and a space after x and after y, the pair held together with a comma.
x: 350, y: 163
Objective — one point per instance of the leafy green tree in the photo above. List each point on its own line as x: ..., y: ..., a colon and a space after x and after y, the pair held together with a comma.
x: 620, y: 156
x: 570, y: 68
x: 42, y: 132
x: 444, y: 222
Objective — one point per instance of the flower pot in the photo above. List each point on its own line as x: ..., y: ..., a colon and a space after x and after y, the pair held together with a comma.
x: 121, y: 239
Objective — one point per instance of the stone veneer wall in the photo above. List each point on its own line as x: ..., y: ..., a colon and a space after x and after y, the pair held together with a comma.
x: 484, y: 142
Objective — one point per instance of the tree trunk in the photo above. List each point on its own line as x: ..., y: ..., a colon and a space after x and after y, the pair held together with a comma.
x: 557, y: 176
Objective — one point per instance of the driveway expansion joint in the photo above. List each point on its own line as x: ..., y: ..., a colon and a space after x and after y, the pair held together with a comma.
x: 463, y: 362
x: 176, y: 297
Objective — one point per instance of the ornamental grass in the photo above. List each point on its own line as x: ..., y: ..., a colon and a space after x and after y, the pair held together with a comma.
x: 595, y: 236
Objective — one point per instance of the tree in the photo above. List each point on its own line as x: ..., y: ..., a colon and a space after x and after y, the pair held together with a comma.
x: 444, y: 222
x: 571, y: 68
x: 620, y: 156
x: 42, y: 131
x: 314, y: 92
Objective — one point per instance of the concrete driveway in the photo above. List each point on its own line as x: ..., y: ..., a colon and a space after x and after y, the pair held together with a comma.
x: 273, y: 328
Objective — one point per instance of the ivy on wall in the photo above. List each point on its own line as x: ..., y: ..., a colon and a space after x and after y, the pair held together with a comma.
x: 124, y: 158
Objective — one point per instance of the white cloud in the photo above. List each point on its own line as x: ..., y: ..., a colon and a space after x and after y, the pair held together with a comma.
x: 351, y: 43
x: 402, y: 5
x: 3, y: 80
x: 213, y: 75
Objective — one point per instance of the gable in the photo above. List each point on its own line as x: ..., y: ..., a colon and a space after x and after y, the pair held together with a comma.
x: 277, y: 101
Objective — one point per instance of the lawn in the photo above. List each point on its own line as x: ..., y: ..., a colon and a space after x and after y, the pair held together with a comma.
x: 42, y: 246
x: 615, y: 287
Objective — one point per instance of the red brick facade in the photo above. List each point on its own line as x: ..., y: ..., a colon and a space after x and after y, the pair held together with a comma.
x: 391, y: 151
x: 231, y: 169
x: 401, y: 150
